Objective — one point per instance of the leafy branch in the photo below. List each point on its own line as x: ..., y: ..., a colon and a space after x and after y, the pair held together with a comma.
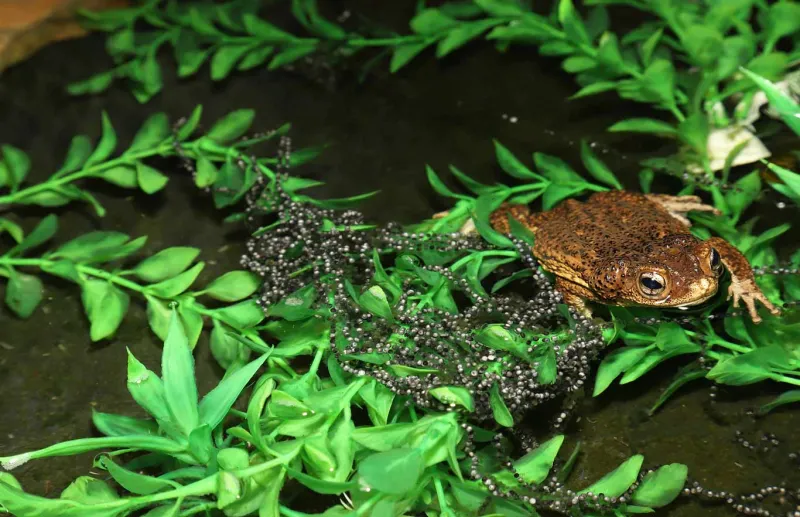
x: 220, y: 161
x: 686, y: 61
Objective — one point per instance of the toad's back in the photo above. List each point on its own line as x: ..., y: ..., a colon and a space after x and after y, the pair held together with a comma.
x: 608, y: 225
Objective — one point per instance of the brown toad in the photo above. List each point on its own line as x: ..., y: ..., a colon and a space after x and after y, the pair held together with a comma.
x: 624, y: 248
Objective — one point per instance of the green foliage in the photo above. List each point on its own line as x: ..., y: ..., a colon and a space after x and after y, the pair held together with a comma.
x: 314, y: 441
x: 685, y: 59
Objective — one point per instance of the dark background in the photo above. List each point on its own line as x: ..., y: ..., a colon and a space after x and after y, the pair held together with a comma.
x: 382, y: 132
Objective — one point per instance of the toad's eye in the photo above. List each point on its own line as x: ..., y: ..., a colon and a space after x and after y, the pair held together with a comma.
x: 652, y: 284
x: 716, y: 263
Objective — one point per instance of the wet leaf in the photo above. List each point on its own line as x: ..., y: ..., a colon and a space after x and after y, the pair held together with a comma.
x: 535, y: 465
x: 23, y: 293
x: 394, y: 472
x: 233, y: 286
x: 177, y: 367
x: 216, y: 404
x: 154, y: 130
x: 166, y: 263
x: 231, y: 126
x: 499, y: 409
x: 616, y: 482
x: 454, y: 395
x: 149, y: 179
x: 661, y: 487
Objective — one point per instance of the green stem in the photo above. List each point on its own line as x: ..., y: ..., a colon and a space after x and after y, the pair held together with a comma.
x: 92, y: 170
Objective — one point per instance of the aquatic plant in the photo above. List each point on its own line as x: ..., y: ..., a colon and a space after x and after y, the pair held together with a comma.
x: 421, y: 332
x: 684, y: 60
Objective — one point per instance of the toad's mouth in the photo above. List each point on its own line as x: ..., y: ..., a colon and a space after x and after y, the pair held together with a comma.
x: 685, y: 306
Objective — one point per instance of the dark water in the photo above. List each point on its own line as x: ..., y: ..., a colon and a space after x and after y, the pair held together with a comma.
x: 382, y: 133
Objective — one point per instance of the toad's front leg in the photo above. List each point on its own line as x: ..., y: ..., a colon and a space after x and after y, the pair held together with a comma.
x: 575, y: 296
x: 743, y: 283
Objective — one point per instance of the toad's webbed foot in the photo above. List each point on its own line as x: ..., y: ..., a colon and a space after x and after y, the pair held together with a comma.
x: 748, y: 292
x: 743, y: 283
x: 679, y: 206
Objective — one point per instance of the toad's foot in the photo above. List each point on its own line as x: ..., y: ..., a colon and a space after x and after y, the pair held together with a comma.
x: 748, y: 292
x: 679, y: 206
x: 468, y: 228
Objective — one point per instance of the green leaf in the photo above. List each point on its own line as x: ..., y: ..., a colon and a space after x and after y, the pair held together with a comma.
x: 264, y: 30
x: 535, y: 465
x: 153, y: 132
x: 597, y: 168
x: 616, y: 482
x: 79, y: 150
x: 105, y: 306
x: 106, y: 145
x: 176, y: 285
x: 572, y: 23
x: 512, y: 166
x: 147, y: 389
x: 499, y: 409
x: 703, y: 43
x: 454, y: 395
x: 94, y: 84
x: 134, y: 482
x: 43, y: 231
x: 87, y: 246
x: 231, y: 126
x: 233, y: 286
x: 321, y: 486
x: 225, y: 349
x: 614, y: 364
x: 122, y: 175
x: 787, y: 397
x: 188, y: 127
x: 180, y: 390
x: 439, y: 186
x: 788, y: 108
x: 556, y: 169
x: 166, y: 263
x: 207, y: 172
x: 150, y: 180
x: 594, y: 89
x: 119, y: 425
x: 432, y: 21
x: 13, y: 229
x: 225, y: 58
x: 374, y: 300
x: 661, y: 487
x: 23, y: 293
x: 216, y: 404
x: 394, y: 472
x: 749, y: 367
x: 17, y: 163
x: 644, y: 125
x: 783, y: 19
x: 694, y: 131
x: 463, y: 34
x: 746, y: 190
x: 291, y: 54
x: 89, y: 491
x: 403, y: 54
x: 243, y: 315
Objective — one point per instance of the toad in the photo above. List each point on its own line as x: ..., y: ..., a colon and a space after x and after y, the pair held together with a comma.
x: 630, y: 249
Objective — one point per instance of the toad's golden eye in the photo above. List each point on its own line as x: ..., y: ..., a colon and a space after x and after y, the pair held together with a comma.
x: 652, y: 284
x: 716, y: 263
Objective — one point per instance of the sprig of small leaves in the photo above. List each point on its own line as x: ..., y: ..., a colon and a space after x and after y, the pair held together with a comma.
x: 219, y: 158
x: 685, y: 61
x: 94, y: 261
